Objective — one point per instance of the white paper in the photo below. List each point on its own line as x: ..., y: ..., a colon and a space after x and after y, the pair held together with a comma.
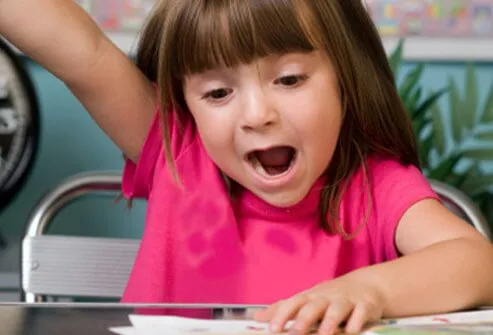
x: 135, y: 331
x: 190, y: 325
x: 459, y: 317
x: 475, y: 322
x: 172, y: 325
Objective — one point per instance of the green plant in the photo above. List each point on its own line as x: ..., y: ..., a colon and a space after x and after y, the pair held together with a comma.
x: 417, y: 103
x: 464, y: 139
x: 454, y: 143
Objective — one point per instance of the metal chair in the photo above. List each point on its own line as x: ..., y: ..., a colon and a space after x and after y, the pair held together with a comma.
x: 65, y: 266
x: 460, y: 204
x: 69, y: 266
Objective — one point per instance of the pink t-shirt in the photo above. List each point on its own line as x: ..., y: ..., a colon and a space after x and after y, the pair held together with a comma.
x: 199, y: 246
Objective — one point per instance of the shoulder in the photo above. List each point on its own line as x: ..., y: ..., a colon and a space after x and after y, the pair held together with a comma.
x: 137, y: 178
x: 388, y: 181
x: 395, y: 186
x: 379, y: 194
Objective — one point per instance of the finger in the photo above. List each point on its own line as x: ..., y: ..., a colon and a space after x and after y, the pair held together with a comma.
x: 358, y: 318
x: 336, y: 313
x: 309, y: 315
x: 286, y: 311
x: 362, y: 314
x: 265, y: 314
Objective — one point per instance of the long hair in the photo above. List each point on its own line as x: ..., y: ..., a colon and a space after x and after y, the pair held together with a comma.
x: 184, y: 37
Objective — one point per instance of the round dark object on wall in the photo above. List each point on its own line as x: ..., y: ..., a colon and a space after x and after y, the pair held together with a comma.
x: 19, y: 124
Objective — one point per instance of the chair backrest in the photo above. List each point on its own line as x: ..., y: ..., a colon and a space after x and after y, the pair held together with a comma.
x: 67, y: 266
x: 460, y: 204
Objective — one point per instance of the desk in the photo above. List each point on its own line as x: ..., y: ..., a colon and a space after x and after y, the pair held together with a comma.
x: 93, y: 319
x: 79, y: 319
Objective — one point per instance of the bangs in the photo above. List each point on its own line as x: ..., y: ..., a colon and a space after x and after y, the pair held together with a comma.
x: 215, y: 33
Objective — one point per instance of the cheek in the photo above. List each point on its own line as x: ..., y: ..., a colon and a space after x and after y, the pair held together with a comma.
x: 215, y: 128
x: 317, y: 117
x: 317, y: 120
x: 329, y: 123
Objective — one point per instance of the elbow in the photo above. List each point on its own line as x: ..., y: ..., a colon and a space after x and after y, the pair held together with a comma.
x: 478, y: 252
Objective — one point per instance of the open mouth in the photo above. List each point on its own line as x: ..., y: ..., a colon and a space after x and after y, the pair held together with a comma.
x: 272, y: 162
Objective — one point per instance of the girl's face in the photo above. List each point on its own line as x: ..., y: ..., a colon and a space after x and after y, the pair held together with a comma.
x: 272, y: 125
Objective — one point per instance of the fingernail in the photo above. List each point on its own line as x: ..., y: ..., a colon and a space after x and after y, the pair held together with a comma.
x: 326, y: 328
x: 298, y: 326
x: 352, y: 330
x: 275, y: 327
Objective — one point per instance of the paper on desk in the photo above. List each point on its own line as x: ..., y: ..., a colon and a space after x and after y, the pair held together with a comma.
x: 475, y: 322
x: 459, y: 317
x: 171, y: 325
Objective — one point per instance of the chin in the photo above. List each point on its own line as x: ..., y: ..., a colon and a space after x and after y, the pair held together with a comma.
x: 283, y: 199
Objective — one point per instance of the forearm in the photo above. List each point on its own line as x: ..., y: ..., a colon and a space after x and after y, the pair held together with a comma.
x: 58, y: 34
x: 444, y: 277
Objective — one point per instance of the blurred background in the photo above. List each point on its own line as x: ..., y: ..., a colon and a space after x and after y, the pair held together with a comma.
x: 441, y: 52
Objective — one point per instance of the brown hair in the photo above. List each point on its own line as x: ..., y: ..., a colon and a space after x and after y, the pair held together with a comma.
x: 189, y: 36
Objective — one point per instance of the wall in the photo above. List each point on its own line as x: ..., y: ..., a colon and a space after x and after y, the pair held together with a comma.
x: 71, y: 143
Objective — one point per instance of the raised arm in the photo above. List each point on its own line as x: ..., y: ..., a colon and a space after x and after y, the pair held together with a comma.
x: 63, y: 38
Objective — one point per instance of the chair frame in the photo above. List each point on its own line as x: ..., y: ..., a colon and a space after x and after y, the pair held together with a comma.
x: 46, y: 258
x: 460, y: 204
x: 40, y: 254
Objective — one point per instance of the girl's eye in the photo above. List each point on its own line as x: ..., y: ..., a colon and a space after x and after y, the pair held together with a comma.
x: 218, y: 94
x: 292, y: 80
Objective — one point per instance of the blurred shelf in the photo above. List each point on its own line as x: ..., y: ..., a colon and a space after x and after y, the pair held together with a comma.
x: 444, y: 49
x: 415, y: 48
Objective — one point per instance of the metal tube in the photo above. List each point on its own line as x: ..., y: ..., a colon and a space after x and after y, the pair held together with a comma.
x: 62, y: 195
x: 72, y: 188
x: 461, y: 202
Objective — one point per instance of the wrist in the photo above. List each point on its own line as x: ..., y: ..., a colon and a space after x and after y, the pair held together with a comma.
x: 372, y: 278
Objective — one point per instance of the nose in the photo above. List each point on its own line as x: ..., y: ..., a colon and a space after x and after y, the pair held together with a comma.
x: 258, y: 112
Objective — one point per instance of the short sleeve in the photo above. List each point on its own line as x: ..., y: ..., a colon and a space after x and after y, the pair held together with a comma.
x: 137, y: 177
x: 395, y: 188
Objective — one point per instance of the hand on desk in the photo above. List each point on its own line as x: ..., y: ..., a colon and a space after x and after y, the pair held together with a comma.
x: 346, y: 300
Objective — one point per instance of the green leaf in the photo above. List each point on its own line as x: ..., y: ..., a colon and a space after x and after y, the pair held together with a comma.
x: 483, y: 201
x: 456, y: 111
x: 471, y: 99
x: 446, y: 167
x: 438, y: 133
x: 457, y: 180
x: 419, y: 125
x: 395, y: 58
x: 411, y: 81
x: 485, y: 136
x: 478, y: 184
x: 425, y: 105
x: 478, y: 153
x: 424, y: 150
x: 488, y: 106
x: 411, y: 102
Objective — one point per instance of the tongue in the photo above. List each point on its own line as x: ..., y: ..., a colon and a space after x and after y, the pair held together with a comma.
x: 275, y: 157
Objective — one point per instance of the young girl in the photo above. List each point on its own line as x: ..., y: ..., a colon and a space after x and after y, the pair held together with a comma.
x: 280, y: 167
